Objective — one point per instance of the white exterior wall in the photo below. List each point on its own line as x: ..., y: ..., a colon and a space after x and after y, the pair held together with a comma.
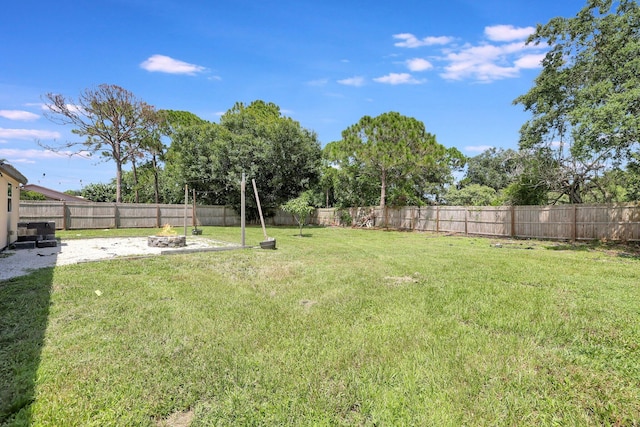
x: 9, y: 220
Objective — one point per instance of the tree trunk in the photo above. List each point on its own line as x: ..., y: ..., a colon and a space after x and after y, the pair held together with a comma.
x: 156, y: 187
x: 383, y: 188
x: 135, y: 181
x: 118, y: 181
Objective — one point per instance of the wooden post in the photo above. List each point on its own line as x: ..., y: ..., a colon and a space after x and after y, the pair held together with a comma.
x: 513, y: 221
x: 437, y: 219
x: 574, y: 230
x: 386, y: 217
x: 158, y: 225
x: 186, y: 203
x: 413, y: 220
x: 466, y: 221
x: 243, y: 192
x: 193, y: 210
x: 255, y: 190
x: 64, y: 215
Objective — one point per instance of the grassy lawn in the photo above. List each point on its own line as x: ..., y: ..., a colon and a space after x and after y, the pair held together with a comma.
x: 340, y: 327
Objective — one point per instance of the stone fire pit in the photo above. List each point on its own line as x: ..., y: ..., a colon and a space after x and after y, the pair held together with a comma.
x: 167, y: 241
x: 167, y: 238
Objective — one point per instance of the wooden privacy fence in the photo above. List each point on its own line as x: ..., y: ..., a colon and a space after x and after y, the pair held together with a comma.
x: 562, y: 222
x: 88, y: 215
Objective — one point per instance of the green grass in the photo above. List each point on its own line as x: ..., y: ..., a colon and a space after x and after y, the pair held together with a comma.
x: 342, y: 327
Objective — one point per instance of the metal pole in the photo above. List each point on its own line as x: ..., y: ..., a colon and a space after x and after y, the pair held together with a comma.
x: 186, y: 204
x: 243, y: 191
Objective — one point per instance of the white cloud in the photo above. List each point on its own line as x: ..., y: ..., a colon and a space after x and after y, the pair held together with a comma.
x: 166, y: 64
x: 398, y: 79
x: 353, y: 81
x: 31, y: 156
x: 411, y: 41
x: 18, y: 115
x: 419, y: 64
x: 477, y: 148
x: 507, y: 33
x: 70, y: 107
x: 530, y: 61
x: 502, y: 54
x: 488, y: 62
x: 27, y: 134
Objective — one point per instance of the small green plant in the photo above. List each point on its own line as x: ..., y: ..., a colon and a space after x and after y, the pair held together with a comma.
x: 345, y: 217
x: 300, y: 208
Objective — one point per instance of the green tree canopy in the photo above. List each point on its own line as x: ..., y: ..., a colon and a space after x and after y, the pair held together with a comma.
x: 471, y: 195
x: 585, y: 101
x: 300, y: 208
x: 495, y: 168
x: 100, y: 192
x: 256, y: 139
x: 392, y: 152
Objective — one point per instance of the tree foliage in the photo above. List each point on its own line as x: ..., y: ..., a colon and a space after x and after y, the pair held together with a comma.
x: 300, y: 208
x: 99, y: 192
x: 471, y: 195
x: 110, y: 118
x: 495, y: 168
x: 256, y: 139
x: 393, y: 153
x: 31, y: 195
x: 585, y: 101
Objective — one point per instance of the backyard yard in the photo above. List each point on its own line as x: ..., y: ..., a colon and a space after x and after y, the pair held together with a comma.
x: 339, y: 327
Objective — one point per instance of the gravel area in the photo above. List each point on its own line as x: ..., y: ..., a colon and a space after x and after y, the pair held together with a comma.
x: 19, y: 262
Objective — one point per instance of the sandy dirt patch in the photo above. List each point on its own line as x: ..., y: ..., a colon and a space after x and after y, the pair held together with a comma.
x: 19, y: 262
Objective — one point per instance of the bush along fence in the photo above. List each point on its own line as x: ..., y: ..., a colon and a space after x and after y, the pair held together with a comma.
x: 561, y: 222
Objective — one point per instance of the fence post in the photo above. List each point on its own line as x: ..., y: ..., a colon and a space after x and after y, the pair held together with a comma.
x: 574, y: 229
x: 437, y: 219
x: 386, y: 217
x: 466, y: 221
x: 413, y: 220
x: 513, y: 221
x: 64, y: 215
x: 158, y: 225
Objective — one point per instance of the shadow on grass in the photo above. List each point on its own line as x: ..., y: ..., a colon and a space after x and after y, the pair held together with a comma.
x: 629, y: 251
x: 24, y: 311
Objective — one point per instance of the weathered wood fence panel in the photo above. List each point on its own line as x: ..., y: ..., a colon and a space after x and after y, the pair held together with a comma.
x: 221, y: 216
x: 562, y: 222
x: 82, y: 215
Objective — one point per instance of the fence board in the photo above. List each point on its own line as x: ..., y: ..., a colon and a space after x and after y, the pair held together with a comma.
x: 562, y: 222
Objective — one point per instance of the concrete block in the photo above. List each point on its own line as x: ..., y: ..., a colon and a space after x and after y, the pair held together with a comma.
x: 24, y: 245
x: 47, y: 243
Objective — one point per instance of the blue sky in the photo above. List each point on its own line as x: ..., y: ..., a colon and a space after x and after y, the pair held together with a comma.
x: 456, y: 65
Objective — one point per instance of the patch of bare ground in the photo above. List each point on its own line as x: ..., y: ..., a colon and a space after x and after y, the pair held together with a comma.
x: 177, y: 419
x: 402, y: 280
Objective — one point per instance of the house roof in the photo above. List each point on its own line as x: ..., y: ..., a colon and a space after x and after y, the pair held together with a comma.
x: 53, y: 194
x: 6, y: 168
